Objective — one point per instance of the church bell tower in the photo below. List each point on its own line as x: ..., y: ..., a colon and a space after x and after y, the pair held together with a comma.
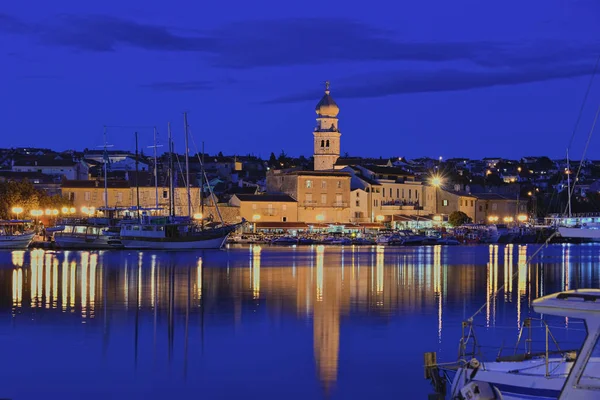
x: 326, y: 134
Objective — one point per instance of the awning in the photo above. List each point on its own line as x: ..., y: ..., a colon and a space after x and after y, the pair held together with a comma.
x: 281, y: 225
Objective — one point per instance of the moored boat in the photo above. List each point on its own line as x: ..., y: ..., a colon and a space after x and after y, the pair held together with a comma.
x: 172, y: 233
x: 557, y: 374
x: 87, y: 234
x: 14, y: 234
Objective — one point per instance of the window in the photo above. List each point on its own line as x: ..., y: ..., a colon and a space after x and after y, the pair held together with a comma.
x: 390, y: 192
x: 322, y: 143
x: 338, y: 200
x: 323, y: 199
x: 357, y: 194
x: 284, y: 207
x: 402, y: 193
x: 165, y: 194
x: 357, y: 203
x: 480, y: 208
x: 72, y: 196
x: 308, y: 198
x: 444, y: 203
x: 119, y: 197
x: 383, y: 194
x: 398, y: 193
x: 339, y: 184
x: 494, y: 206
x: 284, y: 219
x: 308, y: 184
x: 86, y: 196
x: 323, y: 184
x: 327, y: 144
x: 409, y: 194
x: 472, y: 203
x: 416, y: 194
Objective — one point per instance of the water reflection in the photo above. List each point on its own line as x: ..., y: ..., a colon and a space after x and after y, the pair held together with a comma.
x: 333, y: 288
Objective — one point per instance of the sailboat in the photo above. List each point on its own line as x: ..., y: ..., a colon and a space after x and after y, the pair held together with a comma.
x: 94, y: 233
x: 15, y: 234
x: 174, y: 232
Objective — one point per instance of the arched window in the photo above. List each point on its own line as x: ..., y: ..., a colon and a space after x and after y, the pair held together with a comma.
x: 327, y: 144
x: 322, y: 143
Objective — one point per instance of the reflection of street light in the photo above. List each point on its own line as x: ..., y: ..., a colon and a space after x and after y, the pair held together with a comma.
x: 17, y: 210
x: 522, y: 218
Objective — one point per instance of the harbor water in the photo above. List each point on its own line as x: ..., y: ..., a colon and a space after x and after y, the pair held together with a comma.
x: 262, y: 322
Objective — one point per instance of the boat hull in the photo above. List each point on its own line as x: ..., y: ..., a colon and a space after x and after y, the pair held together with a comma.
x: 87, y: 243
x: 580, y: 233
x: 16, y: 241
x: 147, y: 243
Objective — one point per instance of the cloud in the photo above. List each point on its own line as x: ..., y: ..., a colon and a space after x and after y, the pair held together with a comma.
x: 403, y: 82
x: 183, y: 86
x: 101, y: 33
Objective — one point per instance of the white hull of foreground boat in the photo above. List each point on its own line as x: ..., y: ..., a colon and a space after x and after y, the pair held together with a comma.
x: 206, y: 244
x: 16, y: 241
x: 525, y: 380
x: 580, y: 233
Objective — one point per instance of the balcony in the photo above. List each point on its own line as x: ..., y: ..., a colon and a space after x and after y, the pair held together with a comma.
x: 309, y: 203
x: 340, y: 204
x: 401, y: 205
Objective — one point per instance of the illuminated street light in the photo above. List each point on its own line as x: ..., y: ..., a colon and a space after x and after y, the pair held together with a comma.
x: 437, y: 218
x: 436, y: 181
x: 522, y: 218
x: 72, y: 210
x: 256, y: 217
x: 198, y: 216
x: 48, y: 211
x: 17, y: 210
x: 380, y: 218
x: 65, y: 210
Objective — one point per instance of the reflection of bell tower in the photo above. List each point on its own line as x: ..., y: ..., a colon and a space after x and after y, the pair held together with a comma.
x: 326, y: 322
x: 326, y: 133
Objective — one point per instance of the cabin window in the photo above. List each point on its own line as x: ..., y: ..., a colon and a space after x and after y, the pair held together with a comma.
x: 589, y: 376
x: 79, y: 229
x: 147, y: 228
x: 136, y: 228
x: 160, y: 228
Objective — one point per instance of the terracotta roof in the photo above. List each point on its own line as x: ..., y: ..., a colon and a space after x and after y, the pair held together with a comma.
x: 94, y: 184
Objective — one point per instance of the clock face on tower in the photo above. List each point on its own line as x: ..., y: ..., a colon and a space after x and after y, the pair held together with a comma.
x: 326, y: 134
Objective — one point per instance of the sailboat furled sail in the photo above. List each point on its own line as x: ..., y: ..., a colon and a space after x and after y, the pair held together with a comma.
x: 175, y: 232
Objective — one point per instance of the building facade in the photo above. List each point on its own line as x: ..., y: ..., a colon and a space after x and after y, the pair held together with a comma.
x: 266, y: 207
x: 322, y: 196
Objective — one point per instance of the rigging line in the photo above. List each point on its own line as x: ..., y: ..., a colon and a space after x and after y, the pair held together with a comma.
x: 202, y: 178
x: 130, y: 126
x: 587, y: 145
x: 587, y: 92
x: 514, y: 275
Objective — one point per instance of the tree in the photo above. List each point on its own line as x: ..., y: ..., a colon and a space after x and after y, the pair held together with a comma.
x: 24, y: 194
x: 458, y: 218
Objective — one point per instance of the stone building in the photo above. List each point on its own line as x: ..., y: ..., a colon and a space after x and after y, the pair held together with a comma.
x: 326, y: 134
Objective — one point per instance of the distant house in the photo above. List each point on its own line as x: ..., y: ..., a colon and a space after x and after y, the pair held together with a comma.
x: 266, y: 207
x: 68, y: 168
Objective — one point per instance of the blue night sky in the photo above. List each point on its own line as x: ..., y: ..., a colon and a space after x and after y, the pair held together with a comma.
x: 422, y: 78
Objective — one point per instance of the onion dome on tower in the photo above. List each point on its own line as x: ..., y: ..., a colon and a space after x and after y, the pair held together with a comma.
x: 327, y: 107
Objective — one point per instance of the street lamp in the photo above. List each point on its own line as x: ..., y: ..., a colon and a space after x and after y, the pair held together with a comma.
x: 17, y: 210
x: 436, y: 182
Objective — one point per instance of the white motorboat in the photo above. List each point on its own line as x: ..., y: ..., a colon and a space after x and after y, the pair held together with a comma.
x: 88, y: 234
x: 14, y: 234
x: 589, y: 232
x: 572, y: 374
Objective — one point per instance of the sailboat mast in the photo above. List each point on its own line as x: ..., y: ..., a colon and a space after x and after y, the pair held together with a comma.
x: 187, y: 165
x: 137, y: 177
x: 155, y: 172
x: 105, y: 173
x: 202, y: 184
x: 171, y: 199
x: 569, y: 184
